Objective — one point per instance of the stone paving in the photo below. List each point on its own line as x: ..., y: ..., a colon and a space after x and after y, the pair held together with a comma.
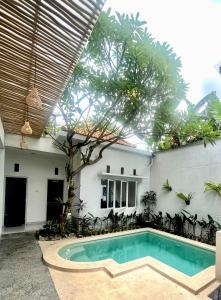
x: 216, y: 294
x: 23, y: 276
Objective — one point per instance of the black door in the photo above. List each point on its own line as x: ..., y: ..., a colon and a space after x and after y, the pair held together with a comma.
x: 55, y: 191
x: 15, y: 196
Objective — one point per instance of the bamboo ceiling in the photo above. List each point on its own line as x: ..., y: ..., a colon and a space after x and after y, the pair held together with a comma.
x: 53, y: 31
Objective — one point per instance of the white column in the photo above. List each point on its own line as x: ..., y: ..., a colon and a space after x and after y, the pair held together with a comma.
x: 218, y: 255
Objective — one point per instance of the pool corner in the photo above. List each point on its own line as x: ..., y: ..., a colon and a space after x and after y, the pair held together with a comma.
x: 192, y: 283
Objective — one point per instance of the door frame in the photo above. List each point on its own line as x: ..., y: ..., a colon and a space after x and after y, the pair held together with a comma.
x: 26, y: 198
x: 64, y: 186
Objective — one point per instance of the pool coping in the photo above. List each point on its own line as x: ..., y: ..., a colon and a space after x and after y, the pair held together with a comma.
x: 194, y: 283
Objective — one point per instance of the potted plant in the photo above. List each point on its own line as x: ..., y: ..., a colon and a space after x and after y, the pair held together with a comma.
x: 186, y: 198
x: 166, y: 186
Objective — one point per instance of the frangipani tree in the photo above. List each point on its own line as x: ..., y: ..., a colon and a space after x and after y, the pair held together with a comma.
x: 121, y: 79
x: 199, y: 122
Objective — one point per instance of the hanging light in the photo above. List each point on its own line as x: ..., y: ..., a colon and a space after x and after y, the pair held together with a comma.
x: 33, y: 99
x: 23, y: 143
x: 26, y: 129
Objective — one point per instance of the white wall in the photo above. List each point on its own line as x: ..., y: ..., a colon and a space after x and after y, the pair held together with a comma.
x: 43, y: 144
x: 187, y: 169
x: 37, y: 165
x: 2, y: 163
x: 91, y: 189
x: 37, y: 168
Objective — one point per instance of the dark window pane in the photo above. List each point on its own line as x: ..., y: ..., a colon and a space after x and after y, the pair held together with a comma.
x: 117, y: 193
x: 110, y: 194
x: 108, y: 169
x: 104, y: 193
x: 131, y: 193
x: 124, y: 194
x: 103, y: 181
x: 103, y: 203
x: 122, y: 170
x: 16, y: 167
x: 56, y: 171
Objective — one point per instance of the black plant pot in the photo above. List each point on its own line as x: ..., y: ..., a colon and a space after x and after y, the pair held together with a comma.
x: 187, y: 202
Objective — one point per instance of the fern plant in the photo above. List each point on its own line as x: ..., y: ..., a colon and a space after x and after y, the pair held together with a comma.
x: 185, y: 198
x: 167, y: 187
x: 211, y: 186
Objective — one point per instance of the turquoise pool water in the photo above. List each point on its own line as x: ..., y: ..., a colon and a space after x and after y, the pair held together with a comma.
x: 179, y: 255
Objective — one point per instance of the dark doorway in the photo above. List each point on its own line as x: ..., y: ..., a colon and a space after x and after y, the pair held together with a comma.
x: 15, y: 198
x: 55, y: 191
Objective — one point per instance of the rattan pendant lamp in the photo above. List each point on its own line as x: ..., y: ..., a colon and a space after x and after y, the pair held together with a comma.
x: 33, y: 99
x: 25, y: 130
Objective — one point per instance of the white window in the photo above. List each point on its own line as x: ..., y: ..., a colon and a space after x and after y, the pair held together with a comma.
x: 118, y: 193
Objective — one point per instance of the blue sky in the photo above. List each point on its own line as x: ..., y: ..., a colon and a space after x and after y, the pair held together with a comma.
x: 192, y: 28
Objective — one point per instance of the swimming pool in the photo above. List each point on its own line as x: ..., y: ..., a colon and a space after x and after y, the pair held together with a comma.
x: 182, y: 256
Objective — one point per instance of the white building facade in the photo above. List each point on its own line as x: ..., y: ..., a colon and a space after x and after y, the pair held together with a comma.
x: 31, y: 179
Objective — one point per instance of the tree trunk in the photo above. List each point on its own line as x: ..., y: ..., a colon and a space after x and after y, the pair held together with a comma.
x: 67, y: 207
x: 72, y: 165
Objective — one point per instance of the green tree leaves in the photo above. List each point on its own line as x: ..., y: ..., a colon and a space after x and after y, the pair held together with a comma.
x: 200, y: 122
x: 124, y: 68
